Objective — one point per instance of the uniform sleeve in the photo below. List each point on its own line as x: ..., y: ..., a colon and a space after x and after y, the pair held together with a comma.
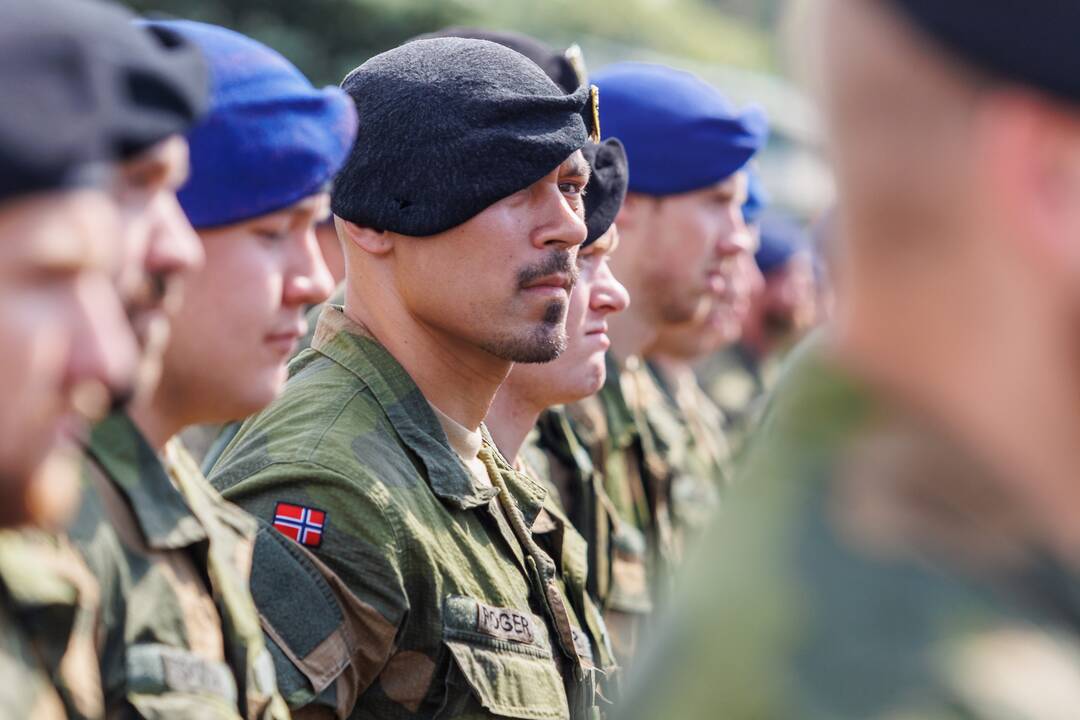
x: 327, y: 579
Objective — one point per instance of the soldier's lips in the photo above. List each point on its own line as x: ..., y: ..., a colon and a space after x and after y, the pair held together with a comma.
x: 285, y: 341
x: 598, y: 335
x: 554, y: 285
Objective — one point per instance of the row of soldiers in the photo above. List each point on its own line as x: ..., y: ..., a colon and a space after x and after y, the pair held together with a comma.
x: 489, y: 470
x: 471, y: 493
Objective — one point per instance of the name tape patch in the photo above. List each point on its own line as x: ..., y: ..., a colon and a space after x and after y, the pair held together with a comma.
x: 505, y: 624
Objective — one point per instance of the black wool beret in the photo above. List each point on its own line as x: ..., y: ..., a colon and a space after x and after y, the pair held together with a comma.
x: 566, y: 68
x: 83, y: 83
x: 166, y: 82
x: 1032, y: 43
x: 449, y: 126
x: 59, y: 94
x: 606, y: 190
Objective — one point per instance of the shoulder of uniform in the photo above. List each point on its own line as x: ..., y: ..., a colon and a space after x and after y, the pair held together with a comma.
x: 347, y: 436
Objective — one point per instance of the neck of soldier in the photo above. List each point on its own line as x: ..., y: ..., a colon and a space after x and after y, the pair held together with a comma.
x: 454, y: 375
x: 630, y: 331
x: 156, y: 425
x: 990, y: 353
x: 170, y: 408
x: 513, y: 414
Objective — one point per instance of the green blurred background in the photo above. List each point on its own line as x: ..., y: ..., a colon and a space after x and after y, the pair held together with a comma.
x: 732, y: 43
x: 327, y: 38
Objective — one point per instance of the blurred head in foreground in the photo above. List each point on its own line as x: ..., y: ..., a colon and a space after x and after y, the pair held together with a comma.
x: 957, y: 155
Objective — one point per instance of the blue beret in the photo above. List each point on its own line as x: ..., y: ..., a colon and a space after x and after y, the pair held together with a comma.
x: 781, y: 238
x: 681, y: 134
x: 451, y: 126
x: 757, y: 199
x: 1032, y: 43
x: 269, y: 140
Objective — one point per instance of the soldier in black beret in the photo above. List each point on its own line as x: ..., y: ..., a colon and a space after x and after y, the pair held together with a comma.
x: 461, y: 211
x: 69, y: 83
x: 167, y: 92
x: 58, y: 230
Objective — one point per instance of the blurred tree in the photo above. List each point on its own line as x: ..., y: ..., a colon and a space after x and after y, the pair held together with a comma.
x: 763, y: 13
x: 327, y: 38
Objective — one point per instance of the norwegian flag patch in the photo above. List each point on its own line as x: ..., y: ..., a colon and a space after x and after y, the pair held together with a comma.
x: 302, y: 524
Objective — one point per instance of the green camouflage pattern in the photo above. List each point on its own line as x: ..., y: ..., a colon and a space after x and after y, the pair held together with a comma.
x: 863, y: 569
x: 461, y: 611
x: 636, y: 473
x: 564, y: 464
x: 179, y: 635
x: 738, y: 383
x: 48, y: 605
x: 689, y: 435
x: 560, y: 540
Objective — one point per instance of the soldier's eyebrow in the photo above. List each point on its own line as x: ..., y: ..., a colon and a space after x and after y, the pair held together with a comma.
x: 576, y: 166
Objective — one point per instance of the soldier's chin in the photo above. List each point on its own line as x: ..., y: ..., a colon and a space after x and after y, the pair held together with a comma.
x: 48, y: 496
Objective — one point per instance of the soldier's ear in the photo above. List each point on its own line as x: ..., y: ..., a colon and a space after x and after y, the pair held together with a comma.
x: 370, y: 240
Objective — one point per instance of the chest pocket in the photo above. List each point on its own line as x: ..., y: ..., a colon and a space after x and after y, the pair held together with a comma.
x: 167, y: 682
x: 502, y: 659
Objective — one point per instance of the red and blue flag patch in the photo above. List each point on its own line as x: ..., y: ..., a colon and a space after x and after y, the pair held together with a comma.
x: 302, y: 524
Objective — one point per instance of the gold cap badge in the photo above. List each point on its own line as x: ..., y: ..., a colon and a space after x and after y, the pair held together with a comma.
x: 594, y: 106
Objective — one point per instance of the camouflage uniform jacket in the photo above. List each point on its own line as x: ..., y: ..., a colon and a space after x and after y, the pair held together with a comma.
x: 558, y: 537
x: 564, y: 464
x: 179, y: 635
x: 636, y: 481
x: 690, y: 433
x: 738, y: 382
x: 457, y: 610
x: 863, y: 568
x: 48, y: 602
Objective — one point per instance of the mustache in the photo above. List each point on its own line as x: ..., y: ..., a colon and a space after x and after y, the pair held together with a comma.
x: 559, y: 261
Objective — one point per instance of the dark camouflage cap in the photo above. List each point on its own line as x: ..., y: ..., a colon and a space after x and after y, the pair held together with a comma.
x: 606, y: 190
x: 449, y: 126
x: 83, y: 85
x: 566, y: 67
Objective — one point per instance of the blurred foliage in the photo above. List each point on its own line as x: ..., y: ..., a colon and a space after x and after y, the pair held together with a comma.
x: 327, y: 38
x: 765, y: 13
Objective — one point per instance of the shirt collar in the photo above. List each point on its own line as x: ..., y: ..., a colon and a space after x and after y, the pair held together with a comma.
x: 136, y: 471
x: 351, y: 345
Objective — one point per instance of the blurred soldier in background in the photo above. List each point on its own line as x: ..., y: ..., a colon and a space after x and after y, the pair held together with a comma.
x: 685, y: 145
x: 779, y: 315
x: 181, y: 631
x: 903, y: 539
x: 687, y: 422
x: 67, y: 346
x: 461, y: 212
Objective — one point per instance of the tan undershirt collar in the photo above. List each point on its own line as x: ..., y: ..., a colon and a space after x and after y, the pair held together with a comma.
x: 466, y: 443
